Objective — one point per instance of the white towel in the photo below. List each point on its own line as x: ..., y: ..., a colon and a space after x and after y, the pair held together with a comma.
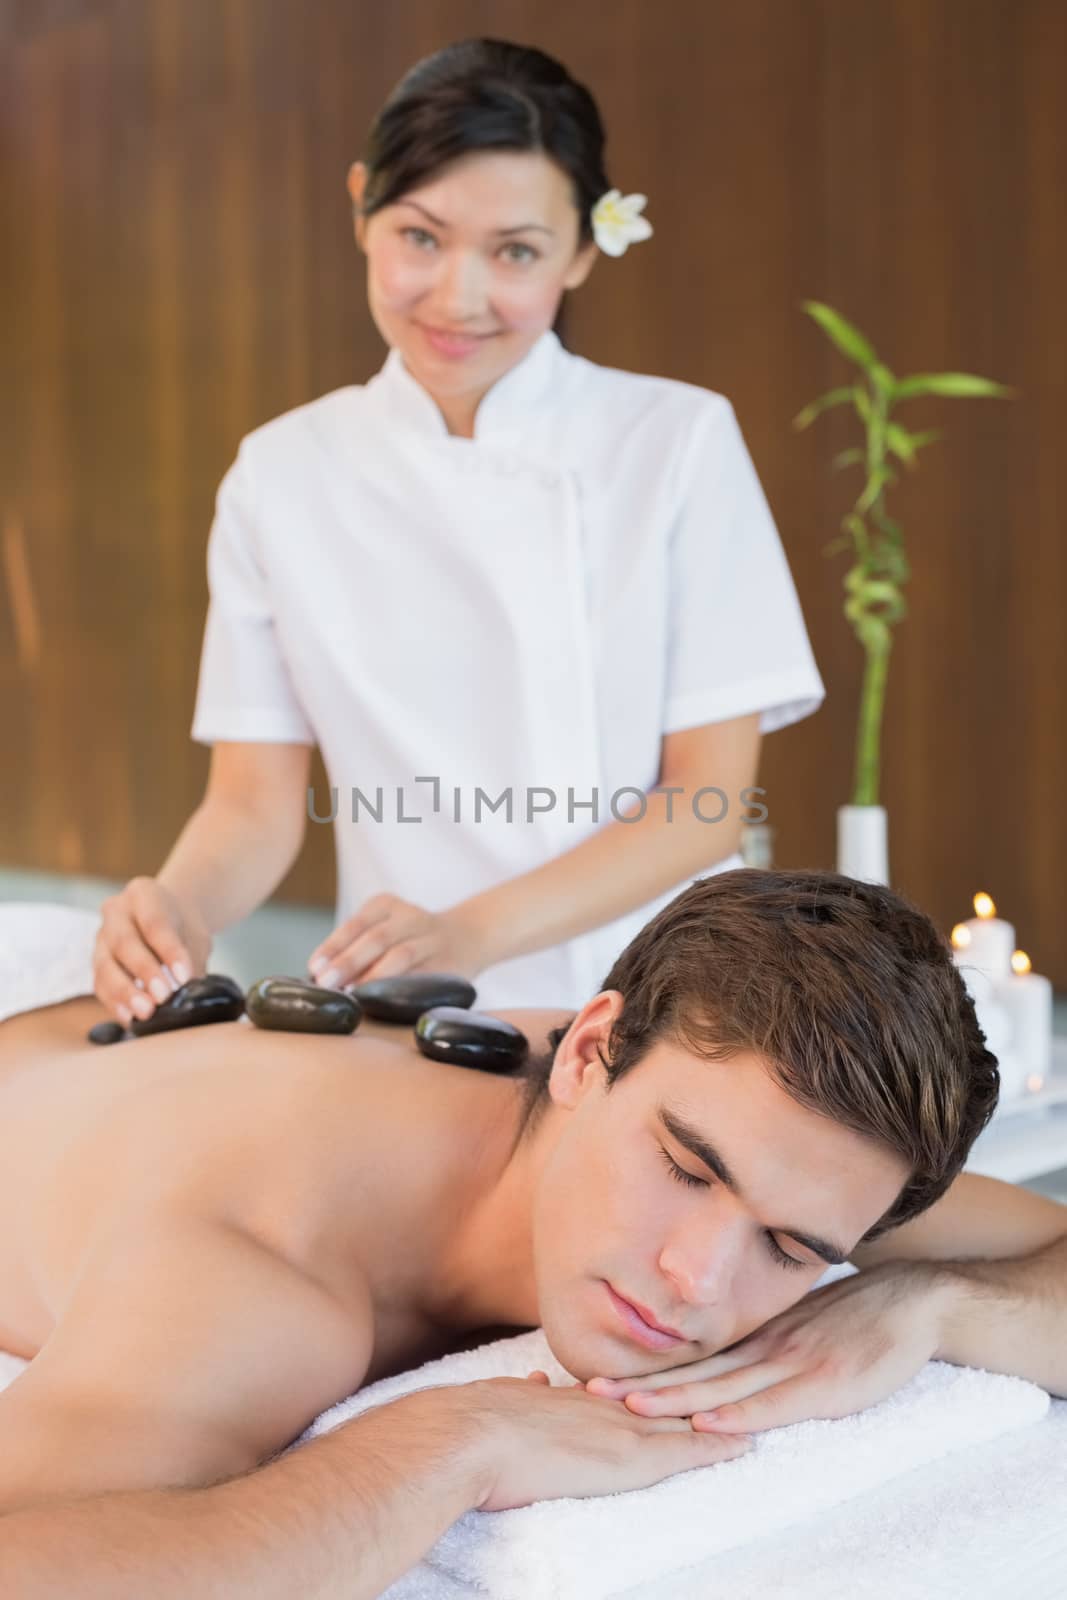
x: 46, y: 954
x: 585, y: 1549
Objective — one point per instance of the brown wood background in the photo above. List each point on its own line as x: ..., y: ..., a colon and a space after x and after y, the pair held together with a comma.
x: 178, y: 266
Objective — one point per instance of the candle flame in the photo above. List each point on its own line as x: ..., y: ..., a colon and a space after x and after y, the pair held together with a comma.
x: 961, y: 936
x: 1020, y: 962
x: 1034, y: 1083
x: 983, y: 905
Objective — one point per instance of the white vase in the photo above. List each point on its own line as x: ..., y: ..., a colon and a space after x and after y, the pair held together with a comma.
x: 862, y: 844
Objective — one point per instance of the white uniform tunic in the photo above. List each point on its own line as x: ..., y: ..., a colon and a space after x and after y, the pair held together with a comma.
x: 528, y: 610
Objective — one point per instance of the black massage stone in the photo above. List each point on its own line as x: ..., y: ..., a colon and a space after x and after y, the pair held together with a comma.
x: 470, y: 1039
x: 106, y: 1033
x: 213, y: 998
x: 405, y: 998
x: 292, y: 1006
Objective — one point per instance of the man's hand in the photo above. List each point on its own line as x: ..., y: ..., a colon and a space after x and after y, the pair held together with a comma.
x: 839, y: 1350
x: 389, y: 936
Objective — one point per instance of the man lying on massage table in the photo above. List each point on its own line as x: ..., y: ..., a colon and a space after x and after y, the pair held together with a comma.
x: 212, y: 1236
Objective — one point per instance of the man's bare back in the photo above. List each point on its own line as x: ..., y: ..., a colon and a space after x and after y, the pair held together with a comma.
x: 327, y: 1150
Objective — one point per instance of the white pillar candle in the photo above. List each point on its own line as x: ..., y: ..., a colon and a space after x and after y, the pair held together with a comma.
x: 979, y: 984
x: 1012, y: 1076
x: 995, y: 1024
x: 1027, y: 998
x: 985, y: 940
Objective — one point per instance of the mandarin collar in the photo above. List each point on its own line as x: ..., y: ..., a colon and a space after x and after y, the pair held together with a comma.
x: 505, y: 411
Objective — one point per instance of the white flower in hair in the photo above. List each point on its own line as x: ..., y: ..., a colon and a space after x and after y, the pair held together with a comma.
x: 616, y: 223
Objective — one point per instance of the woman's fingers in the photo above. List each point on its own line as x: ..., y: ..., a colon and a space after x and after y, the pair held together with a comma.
x: 155, y: 923
x: 325, y: 960
x: 139, y: 938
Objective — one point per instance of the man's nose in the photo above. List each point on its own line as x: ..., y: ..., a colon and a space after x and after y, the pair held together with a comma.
x: 703, y: 1263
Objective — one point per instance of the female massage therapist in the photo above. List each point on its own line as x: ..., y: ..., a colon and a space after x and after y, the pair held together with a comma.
x: 509, y: 593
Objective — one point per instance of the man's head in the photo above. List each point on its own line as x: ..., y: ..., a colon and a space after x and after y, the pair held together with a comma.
x: 814, y: 1031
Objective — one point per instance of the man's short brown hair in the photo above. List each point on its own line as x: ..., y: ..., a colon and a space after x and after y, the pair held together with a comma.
x: 846, y: 990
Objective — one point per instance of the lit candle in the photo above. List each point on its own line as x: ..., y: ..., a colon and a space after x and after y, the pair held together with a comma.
x: 1027, y: 998
x: 985, y: 940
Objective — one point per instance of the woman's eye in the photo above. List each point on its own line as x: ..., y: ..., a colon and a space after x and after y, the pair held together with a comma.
x: 531, y: 253
x: 410, y: 232
x: 679, y: 1173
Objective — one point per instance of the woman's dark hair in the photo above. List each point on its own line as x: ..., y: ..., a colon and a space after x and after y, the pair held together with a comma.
x: 847, y: 992
x: 485, y: 94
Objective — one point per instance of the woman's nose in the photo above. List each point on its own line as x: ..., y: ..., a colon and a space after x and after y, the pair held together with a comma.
x: 463, y: 287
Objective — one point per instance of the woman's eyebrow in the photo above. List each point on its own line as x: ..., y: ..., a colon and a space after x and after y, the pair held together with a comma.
x: 520, y: 227
x: 701, y: 1147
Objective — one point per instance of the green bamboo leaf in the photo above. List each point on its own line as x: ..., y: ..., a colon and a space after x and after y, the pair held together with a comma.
x: 835, y: 545
x: 952, y: 383
x: 848, y: 339
x: 919, y: 439
x: 882, y: 378
x: 894, y: 564
x: 862, y: 401
x: 901, y: 443
x: 834, y: 397
x: 844, y: 458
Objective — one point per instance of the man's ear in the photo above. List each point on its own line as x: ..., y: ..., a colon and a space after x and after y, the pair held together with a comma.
x: 578, y: 1063
x: 357, y: 183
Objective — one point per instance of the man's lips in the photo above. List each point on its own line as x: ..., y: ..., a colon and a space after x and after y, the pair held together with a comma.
x: 653, y: 1322
x: 655, y: 1328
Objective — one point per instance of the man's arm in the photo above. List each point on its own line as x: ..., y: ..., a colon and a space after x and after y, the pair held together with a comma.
x: 996, y: 1260
x: 340, y: 1517
x: 187, y: 1354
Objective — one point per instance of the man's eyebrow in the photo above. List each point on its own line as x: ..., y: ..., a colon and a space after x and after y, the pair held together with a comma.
x: 695, y: 1142
x: 520, y: 228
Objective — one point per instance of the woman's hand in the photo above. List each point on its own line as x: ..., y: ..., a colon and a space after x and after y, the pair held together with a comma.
x: 145, y: 928
x: 839, y: 1350
x: 389, y: 936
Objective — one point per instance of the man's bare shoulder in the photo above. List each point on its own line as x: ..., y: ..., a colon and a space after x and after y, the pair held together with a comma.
x: 186, y: 1351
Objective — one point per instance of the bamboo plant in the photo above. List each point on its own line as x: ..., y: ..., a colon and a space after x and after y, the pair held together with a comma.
x: 874, y: 584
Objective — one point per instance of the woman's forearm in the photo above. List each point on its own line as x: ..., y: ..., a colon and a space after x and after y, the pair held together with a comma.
x: 228, y: 859
x: 622, y: 866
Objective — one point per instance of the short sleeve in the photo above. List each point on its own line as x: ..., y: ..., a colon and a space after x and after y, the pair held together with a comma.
x: 737, y: 642
x: 245, y: 691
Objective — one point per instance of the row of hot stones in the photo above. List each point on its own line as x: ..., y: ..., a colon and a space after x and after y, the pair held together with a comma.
x: 438, y: 1003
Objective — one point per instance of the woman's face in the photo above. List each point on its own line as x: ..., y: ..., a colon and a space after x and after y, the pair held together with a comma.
x: 483, y: 251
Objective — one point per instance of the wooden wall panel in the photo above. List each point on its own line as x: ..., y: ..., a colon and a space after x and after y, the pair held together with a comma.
x: 178, y: 266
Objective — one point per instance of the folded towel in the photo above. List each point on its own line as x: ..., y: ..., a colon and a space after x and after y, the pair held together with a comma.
x: 46, y: 954
x: 584, y: 1549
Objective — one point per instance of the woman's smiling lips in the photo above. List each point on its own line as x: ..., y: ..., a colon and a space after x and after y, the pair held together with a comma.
x: 642, y: 1331
x: 452, y: 344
